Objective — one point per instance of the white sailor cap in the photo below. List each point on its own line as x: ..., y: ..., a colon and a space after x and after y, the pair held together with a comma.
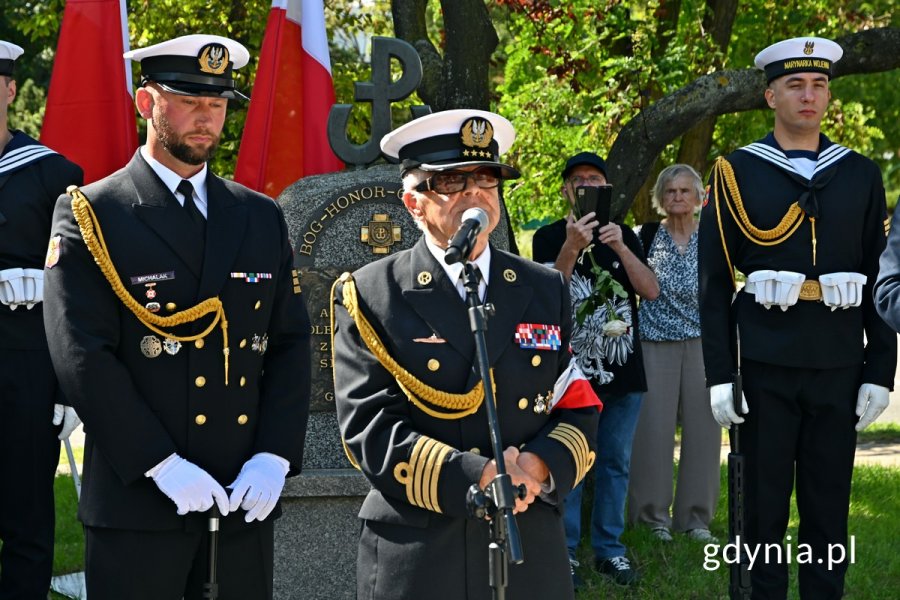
x: 9, y: 52
x: 452, y: 139
x: 193, y: 65
x: 797, y: 55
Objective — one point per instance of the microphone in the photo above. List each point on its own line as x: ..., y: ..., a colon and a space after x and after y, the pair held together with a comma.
x: 474, y: 220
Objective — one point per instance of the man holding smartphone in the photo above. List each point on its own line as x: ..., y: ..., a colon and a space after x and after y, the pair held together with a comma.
x: 584, y: 247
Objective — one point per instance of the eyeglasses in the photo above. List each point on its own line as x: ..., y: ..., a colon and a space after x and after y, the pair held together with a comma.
x: 589, y: 180
x: 450, y: 182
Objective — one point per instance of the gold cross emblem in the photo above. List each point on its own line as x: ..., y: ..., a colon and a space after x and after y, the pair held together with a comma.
x: 380, y: 234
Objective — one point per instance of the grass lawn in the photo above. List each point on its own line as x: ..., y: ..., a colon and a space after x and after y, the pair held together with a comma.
x: 676, y: 570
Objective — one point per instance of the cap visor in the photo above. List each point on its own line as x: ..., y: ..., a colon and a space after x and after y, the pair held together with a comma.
x: 202, y: 90
x: 506, y: 171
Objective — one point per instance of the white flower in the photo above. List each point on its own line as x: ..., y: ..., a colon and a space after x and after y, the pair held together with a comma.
x: 615, y: 328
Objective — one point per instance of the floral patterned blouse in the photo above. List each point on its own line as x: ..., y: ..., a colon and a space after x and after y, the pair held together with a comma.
x: 675, y: 314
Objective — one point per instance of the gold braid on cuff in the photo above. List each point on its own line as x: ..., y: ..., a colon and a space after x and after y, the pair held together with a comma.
x: 420, y: 475
x: 576, y: 443
x: 93, y: 238
x: 440, y: 404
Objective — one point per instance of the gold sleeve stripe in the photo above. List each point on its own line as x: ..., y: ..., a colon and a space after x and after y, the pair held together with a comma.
x: 887, y: 226
x: 569, y: 437
x: 422, y: 473
x: 576, y: 443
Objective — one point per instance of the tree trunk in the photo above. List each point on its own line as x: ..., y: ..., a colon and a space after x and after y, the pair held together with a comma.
x: 459, y: 78
x: 642, y: 139
x: 717, y: 22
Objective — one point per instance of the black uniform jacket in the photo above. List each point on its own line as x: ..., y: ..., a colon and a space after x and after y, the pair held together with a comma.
x: 848, y: 197
x: 27, y: 196
x: 137, y: 410
x: 420, y: 466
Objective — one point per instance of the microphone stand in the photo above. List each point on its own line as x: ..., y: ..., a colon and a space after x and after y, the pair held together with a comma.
x: 497, y: 501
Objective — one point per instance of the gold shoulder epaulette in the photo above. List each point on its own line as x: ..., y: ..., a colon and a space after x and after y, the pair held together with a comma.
x: 93, y: 238
x: 440, y: 404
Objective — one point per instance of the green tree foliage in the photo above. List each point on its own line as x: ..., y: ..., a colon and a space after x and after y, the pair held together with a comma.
x: 569, y: 74
x: 577, y: 71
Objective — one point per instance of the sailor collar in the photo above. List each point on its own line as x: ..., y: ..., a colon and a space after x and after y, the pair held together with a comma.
x: 20, y: 152
x: 768, y: 150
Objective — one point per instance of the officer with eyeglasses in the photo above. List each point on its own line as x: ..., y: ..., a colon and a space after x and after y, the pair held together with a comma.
x: 410, y: 404
x: 608, y: 351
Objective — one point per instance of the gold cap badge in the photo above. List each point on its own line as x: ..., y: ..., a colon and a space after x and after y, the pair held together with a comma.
x: 213, y: 58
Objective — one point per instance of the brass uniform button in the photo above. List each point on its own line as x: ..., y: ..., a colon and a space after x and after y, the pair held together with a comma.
x: 523, y: 403
x: 171, y: 306
x: 242, y: 420
x: 475, y: 451
x: 198, y: 344
x: 243, y: 381
x: 257, y: 305
x: 200, y: 381
x: 536, y: 360
x: 200, y: 419
x: 243, y: 342
x: 433, y: 364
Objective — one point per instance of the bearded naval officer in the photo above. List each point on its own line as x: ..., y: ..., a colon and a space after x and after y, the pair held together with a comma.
x: 179, y: 332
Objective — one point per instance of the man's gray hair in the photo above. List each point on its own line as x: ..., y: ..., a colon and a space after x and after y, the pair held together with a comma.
x: 411, y: 179
x: 414, y: 177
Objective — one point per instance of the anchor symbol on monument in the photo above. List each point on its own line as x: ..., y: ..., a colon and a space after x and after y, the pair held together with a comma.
x: 381, y: 92
x: 380, y: 234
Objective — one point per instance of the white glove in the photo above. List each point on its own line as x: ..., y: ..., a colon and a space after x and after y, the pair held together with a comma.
x: 870, y: 402
x: 258, y: 485
x: 191, y: 488
x: 34, y: 287
x: 67, y: 417
x: 12, y: 288
x: 721, y: 400
x: 842, y: 290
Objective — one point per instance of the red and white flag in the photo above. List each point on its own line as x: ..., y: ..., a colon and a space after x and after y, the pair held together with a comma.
x: 285, y: 134
x: 89, y: 116
x: 573, y: 390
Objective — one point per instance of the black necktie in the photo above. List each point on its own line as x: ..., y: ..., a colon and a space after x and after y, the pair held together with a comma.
x: 462, y: 280
x: 187, y: 190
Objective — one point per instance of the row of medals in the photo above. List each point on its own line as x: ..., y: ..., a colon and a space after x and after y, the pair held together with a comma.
x: 151, y: 347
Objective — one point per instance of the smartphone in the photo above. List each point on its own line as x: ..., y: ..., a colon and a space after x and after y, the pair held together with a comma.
x: 596, y: 200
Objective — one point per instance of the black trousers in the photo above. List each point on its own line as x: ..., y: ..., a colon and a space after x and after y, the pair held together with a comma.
x: 29, y: 453
x: 800, y: 429
x: 171, y: 565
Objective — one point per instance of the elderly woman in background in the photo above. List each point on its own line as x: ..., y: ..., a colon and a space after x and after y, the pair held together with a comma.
x: 673, y: 361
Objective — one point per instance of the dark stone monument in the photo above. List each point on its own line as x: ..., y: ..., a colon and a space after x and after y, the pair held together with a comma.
x: 339, y: 222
